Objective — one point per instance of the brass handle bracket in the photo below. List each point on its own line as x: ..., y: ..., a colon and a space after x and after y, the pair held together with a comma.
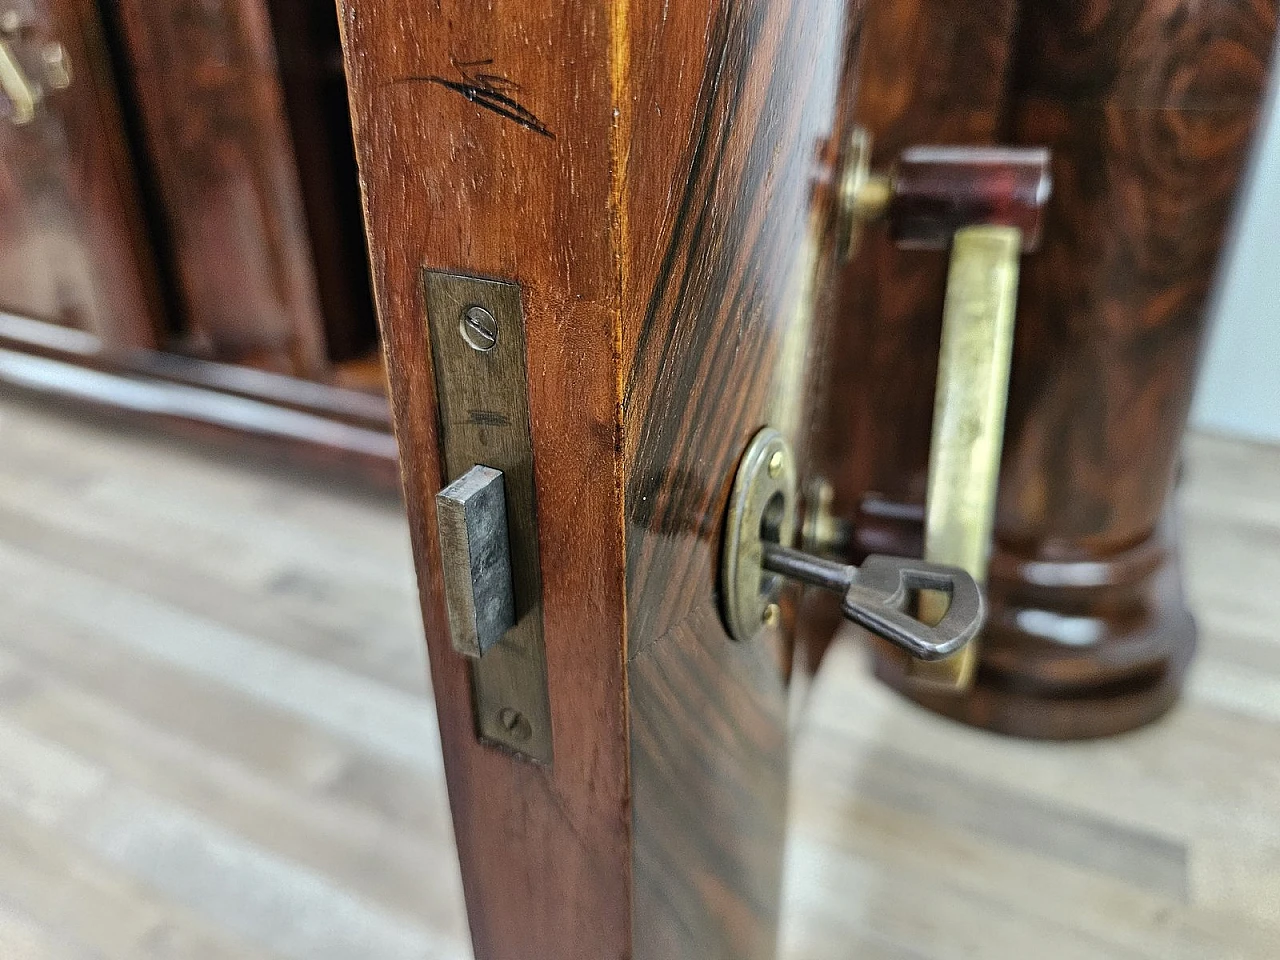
x: 22, y: 93
x: 986, y: 206
x: 968, y: 420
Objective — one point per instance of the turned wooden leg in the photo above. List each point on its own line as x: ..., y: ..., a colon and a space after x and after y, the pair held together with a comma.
x: 1149, y: 109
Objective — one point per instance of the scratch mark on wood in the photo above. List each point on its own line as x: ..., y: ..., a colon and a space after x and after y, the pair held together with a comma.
x: 492, y: 91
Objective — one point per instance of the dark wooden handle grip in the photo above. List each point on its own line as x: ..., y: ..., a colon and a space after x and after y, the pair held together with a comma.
x: 939, y: 190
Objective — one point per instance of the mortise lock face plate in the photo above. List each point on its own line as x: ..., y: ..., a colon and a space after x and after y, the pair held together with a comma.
x: 477, y: 336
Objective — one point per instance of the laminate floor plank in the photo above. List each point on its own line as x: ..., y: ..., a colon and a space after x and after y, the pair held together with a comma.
x: 208, y: 526
x: 1182, y: 778
x: 380, y: 861
x: 273, y: 743
x: 358, y: 629
x: 948, y: 858
x: 216, y: 742
x: 260, y: 896
x: 139, y: 461
x: 21, y: 938
x: 388, y: 722
x: 67, y: 890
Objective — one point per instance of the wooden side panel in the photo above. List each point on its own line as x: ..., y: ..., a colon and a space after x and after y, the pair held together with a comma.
x: 73, y: 248
x: 483, y: 133
x: 722, y: 233
x: 212, y: 111
x: 656, y: 178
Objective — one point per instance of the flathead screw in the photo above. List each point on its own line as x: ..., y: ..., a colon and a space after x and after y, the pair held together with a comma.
x: 514, y: 722
x: 479, y: 328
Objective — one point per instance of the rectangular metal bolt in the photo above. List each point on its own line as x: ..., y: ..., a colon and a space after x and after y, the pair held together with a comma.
x: 474, y: 546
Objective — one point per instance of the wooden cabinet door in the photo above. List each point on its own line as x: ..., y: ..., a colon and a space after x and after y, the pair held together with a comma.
x: 73, y: 244
x: 652, y: 176
x: 212, y: 112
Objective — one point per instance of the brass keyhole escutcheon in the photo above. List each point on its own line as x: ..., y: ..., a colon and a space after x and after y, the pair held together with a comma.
x: 762, y: 507
x: 878, y: 595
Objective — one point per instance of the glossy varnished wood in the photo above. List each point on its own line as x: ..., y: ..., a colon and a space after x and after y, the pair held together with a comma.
x: 646, y: 173
x: 1150, y: 112
x: 73, y: 243
x: 1148, y: 108
x: 211, y: 106
x: 718, y: 337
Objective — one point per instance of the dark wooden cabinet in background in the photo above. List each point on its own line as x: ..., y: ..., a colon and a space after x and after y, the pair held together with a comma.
x: 185, y: 193
x: 244, y: 119
x: 74, y: 246
x: 211, y: 110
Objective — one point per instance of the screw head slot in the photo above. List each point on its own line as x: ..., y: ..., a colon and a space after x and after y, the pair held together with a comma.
x: 515, y: 723
x: 479, y: 328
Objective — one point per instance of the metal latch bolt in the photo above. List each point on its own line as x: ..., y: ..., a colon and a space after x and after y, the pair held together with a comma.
x: 476, y: 553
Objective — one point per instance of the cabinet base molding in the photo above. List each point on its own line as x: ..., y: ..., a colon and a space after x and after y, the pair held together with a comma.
x: 1072, y: 649
x: 312, y: 425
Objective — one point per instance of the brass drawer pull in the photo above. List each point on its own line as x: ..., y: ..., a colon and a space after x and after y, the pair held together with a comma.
x: 23, y: 95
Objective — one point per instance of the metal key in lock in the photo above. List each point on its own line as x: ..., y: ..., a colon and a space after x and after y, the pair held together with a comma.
x: 878, y: 595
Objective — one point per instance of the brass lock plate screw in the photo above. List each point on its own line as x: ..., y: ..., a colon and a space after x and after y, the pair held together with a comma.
x: 480, y: 329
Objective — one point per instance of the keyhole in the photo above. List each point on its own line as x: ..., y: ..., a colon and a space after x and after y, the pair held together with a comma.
x: 771, y: 521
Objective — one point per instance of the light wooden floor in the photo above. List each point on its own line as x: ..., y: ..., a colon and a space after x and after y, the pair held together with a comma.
x: 215, y: 743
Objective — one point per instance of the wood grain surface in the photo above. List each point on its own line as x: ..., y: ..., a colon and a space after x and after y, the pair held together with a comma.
x: 217, y: 740
x: 1150, y: 111
x: 718, y: 342
x: 73, y: 243
x: 1149, y: 107
x: 650, y: 175
x: 208, y: 94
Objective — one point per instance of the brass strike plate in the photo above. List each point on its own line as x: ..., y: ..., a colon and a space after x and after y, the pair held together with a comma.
x: 478, y: 352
